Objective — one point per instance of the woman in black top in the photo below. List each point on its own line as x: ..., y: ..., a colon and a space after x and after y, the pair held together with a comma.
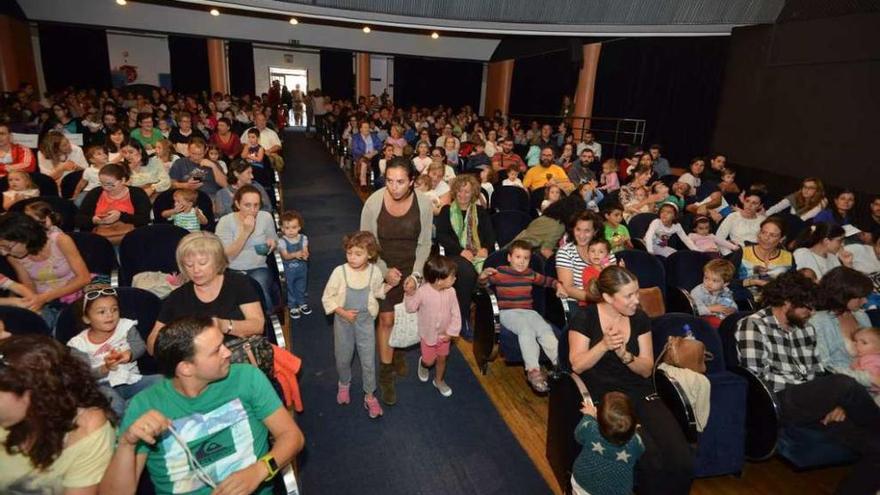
x: 610, y: 347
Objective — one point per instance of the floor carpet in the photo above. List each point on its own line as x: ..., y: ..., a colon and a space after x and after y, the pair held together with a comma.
x: 426, y: 444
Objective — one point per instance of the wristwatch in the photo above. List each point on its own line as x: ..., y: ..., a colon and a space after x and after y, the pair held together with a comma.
x: 631, y: 358
x: 271, y: 466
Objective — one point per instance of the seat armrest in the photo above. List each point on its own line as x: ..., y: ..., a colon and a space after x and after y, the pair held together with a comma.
x: 676, y: 400
x: 762, y: 417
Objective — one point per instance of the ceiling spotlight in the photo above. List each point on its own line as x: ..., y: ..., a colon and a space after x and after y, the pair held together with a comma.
x: 215, y: 12
x: 435, y: 35
x: 121, y: 2
x: 293, y: 21
x: 367, y: 29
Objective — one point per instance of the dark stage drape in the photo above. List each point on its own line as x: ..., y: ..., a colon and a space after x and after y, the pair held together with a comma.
x: 672, y: 83
x: 337, y: 74
x: 540, y: 82
x: 241, y: 67
x: 189, y: 64
x: 432, y: 82
x: 74, y: 56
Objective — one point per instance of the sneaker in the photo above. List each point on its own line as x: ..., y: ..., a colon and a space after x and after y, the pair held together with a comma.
x: 371, y: 404
x: 342, y: 396
x: 294, y: 313
x: 443, y: 388
x: 424, y: 373
x: 305, y: 309
x: 537, y: 381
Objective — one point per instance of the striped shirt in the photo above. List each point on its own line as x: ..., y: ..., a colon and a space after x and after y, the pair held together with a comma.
x: 187, y: 220
x: 514, y: 289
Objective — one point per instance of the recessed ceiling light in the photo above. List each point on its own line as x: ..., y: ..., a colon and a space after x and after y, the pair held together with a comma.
x: 293, y: 21
x: 435, y: 35
x: 367, y: 29
x: 121, y: 2
x: 215, y: 12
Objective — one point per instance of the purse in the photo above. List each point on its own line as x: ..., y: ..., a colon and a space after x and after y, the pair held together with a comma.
x: 405, y: 332
x: 686, y: 352
x: 254, y: 350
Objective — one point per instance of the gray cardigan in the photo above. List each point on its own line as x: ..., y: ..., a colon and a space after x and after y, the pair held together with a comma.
x: 370, y: 217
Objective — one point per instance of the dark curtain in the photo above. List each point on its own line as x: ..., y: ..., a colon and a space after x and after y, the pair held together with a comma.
x: 672, y: 83
x: 189, y: 64
x: 74, y: 56
x: 241, y: 68
x: 432, y: 82
x: 540, y: 82
x: 337, y: 74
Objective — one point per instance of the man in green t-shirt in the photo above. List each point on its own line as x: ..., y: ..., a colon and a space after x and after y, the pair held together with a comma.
x: 205, y: 425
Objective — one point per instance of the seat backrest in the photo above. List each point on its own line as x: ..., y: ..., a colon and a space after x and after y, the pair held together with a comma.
x: 510, y: 198
x: 149, y: 248
x: 651, y: 301
x: 69, y: 182
x: 684, y: 269
x: 727, y: 334
x: 499, y: 258
x: 672, y: 324
x: 20, y: 321
x: 638, y: 224
x: 96, y: 251
x: 508, y: 224
x: 536, y: 197
x: 647, y: 267
x: 64, y: 207
x: 165, y: 201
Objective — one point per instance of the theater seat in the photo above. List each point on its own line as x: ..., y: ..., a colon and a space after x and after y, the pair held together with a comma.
x: 20, y: 321
x: 149, y: 248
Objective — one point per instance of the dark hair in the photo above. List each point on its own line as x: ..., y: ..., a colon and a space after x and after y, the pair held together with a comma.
x: 134, y: 143
x: 609, y: 281
x: 176, y: 342
x: 41, y: 210
x: 775, y: 220
x: 226, y: 121
x: 18, y: 227
x: 365, y: 240
x: 438, y: 268
x: 144, y: 115
x: 841, y: 284
x: 290, y: 215
x: 237, y: 166
x: 617, y: 418
x: 114, y: 170
x: 241, y: 191
x: 701, y: 220
x: 832, y: 207
x: 790, y: 287
x: 60, y: 383
x: 566, y: 208
x: 586, y: 216
x: 817, y: 232
x: 519, y: 244
x: 254, y: 131
x: 109, y: 144
x: 610, y: 207
x: 403, y: 163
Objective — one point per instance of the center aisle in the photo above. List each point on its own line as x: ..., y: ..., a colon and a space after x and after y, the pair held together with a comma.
x: 426, y: 444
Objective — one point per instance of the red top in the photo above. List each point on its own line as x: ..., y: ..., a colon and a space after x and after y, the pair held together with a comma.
x: 20, y: 154
x: 230, y: 148
x: 106, y: 204
x: 514, y: 289
x: 589, y: 273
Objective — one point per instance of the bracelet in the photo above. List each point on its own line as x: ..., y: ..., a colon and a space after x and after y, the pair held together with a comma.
x: 630, y: 360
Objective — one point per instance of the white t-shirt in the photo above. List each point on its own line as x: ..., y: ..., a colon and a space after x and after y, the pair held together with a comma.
x: 125, y: 373
x: 740, y: 229
x: 804, y: 258
x: 76, y: 156
x: 421, y: 164
x: 268, y: 138
x: 90, y: 175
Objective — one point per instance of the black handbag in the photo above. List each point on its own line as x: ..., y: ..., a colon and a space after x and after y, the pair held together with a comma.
x: 254, y: 350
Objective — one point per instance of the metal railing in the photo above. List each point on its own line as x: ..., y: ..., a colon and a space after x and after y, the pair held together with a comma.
x: 615, y: 134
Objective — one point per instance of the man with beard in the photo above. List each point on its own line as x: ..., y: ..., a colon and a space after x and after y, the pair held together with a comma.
x: 547, y: 173
x: 507, y: 158
x: 778, y: 344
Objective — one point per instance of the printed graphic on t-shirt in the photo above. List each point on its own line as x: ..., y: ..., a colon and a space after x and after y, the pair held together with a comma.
x: 221, y: 441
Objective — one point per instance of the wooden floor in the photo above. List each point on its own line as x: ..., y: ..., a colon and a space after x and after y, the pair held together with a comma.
x: 526, y: 415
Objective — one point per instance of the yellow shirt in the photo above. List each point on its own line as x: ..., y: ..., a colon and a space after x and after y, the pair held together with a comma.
x: 536, y: 177
x: 79, y: 465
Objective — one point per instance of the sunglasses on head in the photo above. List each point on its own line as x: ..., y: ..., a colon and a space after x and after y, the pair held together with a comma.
x: 94, y: 294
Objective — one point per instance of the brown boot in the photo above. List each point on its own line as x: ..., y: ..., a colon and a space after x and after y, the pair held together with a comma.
x: 399, y: 363
x: 386, y: 384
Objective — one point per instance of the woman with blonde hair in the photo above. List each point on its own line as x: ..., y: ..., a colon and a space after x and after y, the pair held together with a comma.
x: 58, y: 157
x: 210, y: 290
x: 806, y: 202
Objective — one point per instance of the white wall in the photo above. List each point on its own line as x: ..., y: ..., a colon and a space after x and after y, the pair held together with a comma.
x: 382, y: 75
x: 147, y: 53
x: 274, y: 57
x: 169, y: 19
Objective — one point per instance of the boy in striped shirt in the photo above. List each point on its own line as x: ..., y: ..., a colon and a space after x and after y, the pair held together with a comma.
x: 513, y: 288
x: 185, y: 213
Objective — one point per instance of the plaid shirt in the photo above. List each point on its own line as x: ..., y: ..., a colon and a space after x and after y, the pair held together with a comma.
x: 779, y: 357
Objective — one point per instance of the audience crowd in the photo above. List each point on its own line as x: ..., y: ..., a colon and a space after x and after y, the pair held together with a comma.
x: 454, y: 201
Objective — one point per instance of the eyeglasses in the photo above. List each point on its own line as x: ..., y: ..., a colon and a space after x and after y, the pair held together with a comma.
x: 191, y: 460
x: 94, y: 294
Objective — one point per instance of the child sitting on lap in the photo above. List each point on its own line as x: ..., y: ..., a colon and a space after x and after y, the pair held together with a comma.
x: 439, y: 318
x: 513, y: 286
x: 185, y: 213
x: 866, y: 344
x: 713, y: 299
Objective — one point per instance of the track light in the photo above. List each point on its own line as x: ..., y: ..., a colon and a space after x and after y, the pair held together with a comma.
x: 293, y: 21
x: 215, y: 12
x: 367, y: 29
x: 435, y: 35
x: 121, y: 2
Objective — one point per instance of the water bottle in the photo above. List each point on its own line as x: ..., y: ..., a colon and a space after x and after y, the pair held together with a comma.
x: 688, y: 334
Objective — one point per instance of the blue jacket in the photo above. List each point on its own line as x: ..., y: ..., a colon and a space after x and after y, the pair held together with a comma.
x: 359, y: 147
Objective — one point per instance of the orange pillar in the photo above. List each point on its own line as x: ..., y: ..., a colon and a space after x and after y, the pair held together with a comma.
x: 217, y: 65
x: 362, y: 87
x: 16, y: 54
x: 498, y: 79
x: 586, y: 88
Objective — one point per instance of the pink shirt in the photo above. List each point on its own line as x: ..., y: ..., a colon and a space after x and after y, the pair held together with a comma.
x: 710, y: 243
x: 438, y: 312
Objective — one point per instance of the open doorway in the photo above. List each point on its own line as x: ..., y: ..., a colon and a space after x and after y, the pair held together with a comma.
x: 293, y: 79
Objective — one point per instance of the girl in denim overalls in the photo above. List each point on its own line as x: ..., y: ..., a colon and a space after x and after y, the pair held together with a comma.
x: 351, y: 295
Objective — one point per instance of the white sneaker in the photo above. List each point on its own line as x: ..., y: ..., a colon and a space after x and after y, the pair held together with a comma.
x: 305, y: 309
x: 443, y: 388
x: 424, y: 373
x: 294, y: 313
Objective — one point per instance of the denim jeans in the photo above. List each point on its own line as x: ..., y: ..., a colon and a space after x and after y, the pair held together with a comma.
x: 121, y: 394
x: 296, y: 275
x: 264, y: 278
x: 532, y: 330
